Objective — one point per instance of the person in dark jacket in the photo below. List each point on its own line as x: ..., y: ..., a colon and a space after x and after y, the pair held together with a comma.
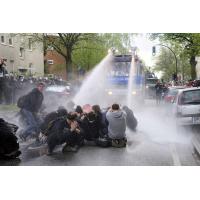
x: 30, y: 107
x: 131, y: 121
x: 9, y: 146
x: 89, y: 123
x: 65, y: 131
x: 3, y: 73
x: 102, y: 121
x: 51, y: 117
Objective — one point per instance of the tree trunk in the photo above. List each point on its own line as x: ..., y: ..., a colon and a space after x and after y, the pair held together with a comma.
x: 193, y: 67
x: 68, y: 60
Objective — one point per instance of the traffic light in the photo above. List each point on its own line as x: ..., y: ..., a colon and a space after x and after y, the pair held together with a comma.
x: 153, y: 50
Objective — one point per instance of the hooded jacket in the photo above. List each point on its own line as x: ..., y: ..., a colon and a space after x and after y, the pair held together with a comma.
x: 117, y: 124
x: 131, y: 121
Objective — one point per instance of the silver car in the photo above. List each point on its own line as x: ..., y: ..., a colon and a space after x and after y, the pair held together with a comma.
x: 186, y: 106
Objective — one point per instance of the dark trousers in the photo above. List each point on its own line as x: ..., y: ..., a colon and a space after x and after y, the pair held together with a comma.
x: 70, y: 138
x: 32, y: 123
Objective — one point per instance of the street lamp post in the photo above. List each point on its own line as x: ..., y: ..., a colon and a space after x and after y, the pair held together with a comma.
x: 171, y: 51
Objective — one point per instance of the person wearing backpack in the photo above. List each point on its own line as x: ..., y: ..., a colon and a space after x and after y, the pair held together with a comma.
x: 30, y: 105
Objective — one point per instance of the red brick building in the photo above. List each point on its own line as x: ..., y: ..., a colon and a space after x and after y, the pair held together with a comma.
x: 55, y: 63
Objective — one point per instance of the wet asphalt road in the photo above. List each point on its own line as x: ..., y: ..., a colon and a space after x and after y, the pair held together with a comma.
x: 157, y: 142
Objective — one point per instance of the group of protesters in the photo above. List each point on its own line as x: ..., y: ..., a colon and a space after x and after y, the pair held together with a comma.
x: 74, y: 125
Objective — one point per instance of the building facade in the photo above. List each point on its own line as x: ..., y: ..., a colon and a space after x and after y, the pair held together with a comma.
x: 23, y: 55
x: 55, y: 63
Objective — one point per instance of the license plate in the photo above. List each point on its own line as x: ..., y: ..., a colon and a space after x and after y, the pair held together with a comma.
x: 196, y: 120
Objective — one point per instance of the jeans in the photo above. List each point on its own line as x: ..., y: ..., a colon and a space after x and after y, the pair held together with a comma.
x: 32, y: 123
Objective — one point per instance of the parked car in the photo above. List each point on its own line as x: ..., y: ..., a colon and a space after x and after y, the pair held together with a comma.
x: 186, y: 106
x: 57, y: 91
x: 171, y: 94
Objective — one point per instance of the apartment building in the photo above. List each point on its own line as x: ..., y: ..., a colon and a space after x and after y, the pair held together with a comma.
x: 23, y: 55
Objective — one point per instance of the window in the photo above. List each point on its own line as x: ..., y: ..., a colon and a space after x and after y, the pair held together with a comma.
x: 21, y: 52
x: 30, y: 43
x: 2, y: 39
x: 50, y: 62
x: 10, y: 41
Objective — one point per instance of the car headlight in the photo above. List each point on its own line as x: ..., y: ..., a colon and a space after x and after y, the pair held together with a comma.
x: 147, y: 87
x: 109, y: 92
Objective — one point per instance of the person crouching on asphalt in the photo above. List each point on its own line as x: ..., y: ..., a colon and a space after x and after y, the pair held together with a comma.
x: 65, y: 131
x: 103, y: 123
x: 131, y: 120
x: 30, y: 106
x: 116, y: 126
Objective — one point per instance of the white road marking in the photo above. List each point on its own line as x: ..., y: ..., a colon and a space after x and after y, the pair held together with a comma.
x: 174, y: 154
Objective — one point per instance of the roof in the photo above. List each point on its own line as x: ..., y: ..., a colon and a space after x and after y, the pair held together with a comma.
x: 191, y: 88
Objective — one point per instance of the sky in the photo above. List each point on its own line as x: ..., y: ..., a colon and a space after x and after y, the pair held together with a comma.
x: 145, y: 48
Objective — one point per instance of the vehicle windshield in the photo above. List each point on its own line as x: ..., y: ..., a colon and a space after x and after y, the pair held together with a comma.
x: 119, y: 69
x: 151, y: 81
x: 173, y: 92
x: 55, y: 89
x: 191, y: 97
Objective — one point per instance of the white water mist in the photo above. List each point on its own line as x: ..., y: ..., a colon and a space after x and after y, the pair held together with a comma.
x: 92, y: 90
x: 131, y: 82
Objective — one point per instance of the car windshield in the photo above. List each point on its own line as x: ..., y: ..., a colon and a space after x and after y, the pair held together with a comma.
x: 173, y: 91
x: 55, y: 89
x: 191, y: 97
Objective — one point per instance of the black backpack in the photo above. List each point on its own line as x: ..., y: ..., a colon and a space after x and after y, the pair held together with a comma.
x: 21, y: 101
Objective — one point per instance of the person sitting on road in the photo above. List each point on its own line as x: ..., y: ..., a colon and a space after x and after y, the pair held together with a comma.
x: 103, y: 123
x: 131, y: 121
x: 116, y: 126
x: 49, y: 118
x: 90, y: 125
x: 79, y: 111
x: 65, y: 131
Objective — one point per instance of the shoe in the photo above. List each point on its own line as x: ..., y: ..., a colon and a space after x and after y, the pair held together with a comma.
x: 68, y: 148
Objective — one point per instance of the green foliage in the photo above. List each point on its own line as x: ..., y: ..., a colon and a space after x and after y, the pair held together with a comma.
x: 84, y: 50
x: 188, y: 42
x: 91, y: 52
x: 166, y: 64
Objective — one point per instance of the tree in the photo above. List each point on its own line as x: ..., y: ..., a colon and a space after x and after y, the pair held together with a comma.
x: 93, y: 51
x: 166, y: 64
x: 189, y: 42
x: 84, y: 49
